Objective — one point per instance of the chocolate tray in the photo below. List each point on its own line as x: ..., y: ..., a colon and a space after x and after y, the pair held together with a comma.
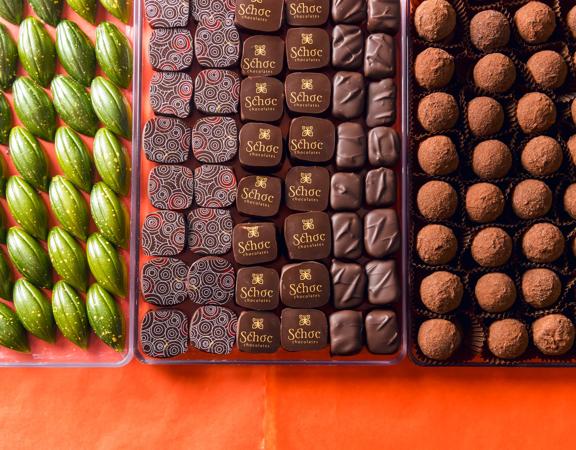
x: 142, y: 166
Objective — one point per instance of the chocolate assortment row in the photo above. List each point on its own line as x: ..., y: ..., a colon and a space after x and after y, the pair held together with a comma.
x: 273, y: 222
x: 493, y: 182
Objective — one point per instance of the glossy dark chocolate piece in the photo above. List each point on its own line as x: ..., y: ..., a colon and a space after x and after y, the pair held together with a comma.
x: 346, y: 329
x: 384, y: 16
x: 381, y: 232
x: 307, y: 188
x: 307, y: 93
x: 351, y: 146
x: 260, y: 15
x: 380, y: 187
x: 217, y: 91
x: 305, y: 285
x: 346, y: 191
x: 348, y: 95
x: 211, y: 281
x: 254, y: 243
x: 261, y: 99
x: 214, y: 186
x: 164, y: 333
x: 167, y: 13
x: 381, y: 103
x: 217, y: 43
x: 209, y: 9
x: 171, y: 187
x: 347, y: 235
x: 383, y: 146
x: 166, y: 140
x: 307, y: 48
x: 257, y: 288
x: 383, y: 283
x: 258, y: 332
x: 262, y: 56
x: 210, y: 231
x: 163, y: 281
x: 382, y: 333
x: 259, y: 195
x: 308, y: 236
x: 348, y: 11
x: 171, y: 49
x: 213, y: 329
x: 311, y: 139
x: 261, y: 145
x: 307, y: 13
x: 215, y: 139
x: 303, y: 330
x: 380, y: 56
x: 163, y: 233
x: 348, y: 284
x: 347, y: 47
x: 171, y: 94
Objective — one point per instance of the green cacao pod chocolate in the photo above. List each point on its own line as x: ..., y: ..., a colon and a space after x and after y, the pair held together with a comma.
x: 105, y: 317
x: 69, y: 207
x: 27, y: 207
x: 36, y: 51
x: 8, y: 58
x: 73, y: 158
x: 111, y: 161
x: 34, y: 310
x: 34, y: 108
x: 72, y: 103
x: 29, y: 257
x: 70, y: 314
x: 12, y: 333
x: 75, y: 52
x: 68, y: 259
x: 114, y: 54
x: 111, y: 107
x: 29, y: 158
x: 106, y: 264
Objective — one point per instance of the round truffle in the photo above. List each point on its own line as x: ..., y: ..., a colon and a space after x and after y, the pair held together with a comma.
x: 535, y: 22
x: 535, y: 113
x: 495, y: 292
x: 531, y: 199
x: 507, y: 338
x: 484, y: 202
x: 570, y: 200
x: 489, y: 30
x: 435, y: 20
x: 548, y: 69
x: 436, y: 244
x: 441, y: 292
x: 438, y: 112
x: 491, y: 247
x: 437, y: 155
x: 571, y: 21
x: 434, y: 68
x: 437, y: 200
x: 542, y: 156
x: 438, y: 339
x: 494, y: 73
x: 553, y: 334
x: 491, y: 159
x: 543, y: 243
x: 485, y: 116
x: 541, y: 288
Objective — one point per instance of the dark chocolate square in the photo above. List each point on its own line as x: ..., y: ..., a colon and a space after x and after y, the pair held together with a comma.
x: 380, y: 56
x: 254, y: 243
x: 303, y: 330
x: 346, y: 191
x: 307, y: 92
x: 307, y: 188
x: 261, y: 145
x: 203, y: 10
x: 164, y: 333
x: 307, y: 48
x: 259, y: 195
x: 166, y: 140
x: 163, y: 233
x: 213, y: 329
x: 381, y: 232
x: 311, y: 139
x: 215, y: 139
x: 171, y: 187
x: 217, y: 91
x: 382, y: 333
x: 347, y: 235
x: 348, y: 11
x: 351, y: 146
x: 211, y: 281
x: 347, y: 47
x: 261, y: 15
x: 381, y: 103
x: 261, y: 99
x: 307, y: 13
x: 217, y: 43
x: 348, y: 284
x: 171, y: 49
x: 380, y: 187
x: 257, y: 288
x: 384, y: 16
x: 258, y: 332
x: 171, y: 94
x: 348, y: 95
x: 346, y: 329
x: 167, y: 13
x: 262, y: 56
x: 383, y: 147
x: 305, y: 285
x: 163, y: 281
x: 210, y: 231
x: 214, y: 186
x: 383, y: 283
x: 308, y: 236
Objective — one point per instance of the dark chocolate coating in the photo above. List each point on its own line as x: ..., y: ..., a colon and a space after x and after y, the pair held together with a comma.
x: 257, y: 288
x: 305, y: 285
x: 348, y: 284
x: 307, y: 48
x: 380, y: 56
x: 381, y: 103
x: 348, y: 95
x: 258, y: 332
x: 303, y: 329
x: 307, y: 13
x: 347, y: 47
x: 347, y: 235
x: 259, y: 195
x: 382, y: 333
x: 307, y: 92
x: 384, y: 16
x: 381, y: 232
x: 346, y: 329
x: 254, y: 243
x: 261, y: 99
x: 263, y: 15
x: 383, y: 147
x: 308, y: 236
x: 262, y: 56
x: 311, y: 139
x: 346, y: 191
x: 383, y: 282
x: 261, y: 145
x: 348, y: 11
x: 380, y: 187
x: 307, y: 188
x: 350, y: 146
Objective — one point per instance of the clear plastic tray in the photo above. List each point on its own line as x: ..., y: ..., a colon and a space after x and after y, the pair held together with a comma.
x: 142, y: 206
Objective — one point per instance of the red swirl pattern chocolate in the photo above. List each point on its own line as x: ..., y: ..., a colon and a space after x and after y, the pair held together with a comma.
x: 171, y: 94
x: 167, y: 13
x: 215, y: 139
x: 210, y: 231
x: 163, y: 234
x: 208, y: 9
x: 214, y: 186
x: 171, y: 187
x: 166, y: 140
x: 171, y: 49
x: 213, y: 329
x: 163, y: 281
x: 211, y: 281
x: 164, y: 333
x: 217, y: 43
x: 217, y: 91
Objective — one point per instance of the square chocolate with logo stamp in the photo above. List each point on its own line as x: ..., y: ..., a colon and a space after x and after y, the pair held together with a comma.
x: 261, y: 99
x: 262, y: 56
x: 305, y: 285
x: 307, y: 188
x: 258, y: 332
x: 307, y: 48
x: 259, y: 15
x: 311, y: 139
x: 307, y: 13
x: 254, y: 243
x: 303, y: 329
x: 307, y: 93
x: 308, y: 236
x: 261, y: 146
x: 257, y: 288
x: 259, y: 195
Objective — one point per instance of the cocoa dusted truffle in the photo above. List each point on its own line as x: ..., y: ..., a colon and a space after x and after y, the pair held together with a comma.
x: 543, y: 243
x: 438, y: 339
x: 491, y: 159
x: 548, y: 69
x: 485, y: 116
x: 553, y: 334
x: 535, y: 22
x: 436, y: 244
x: 507, y: 338
x: 541, y: 288
x: 570, y: 200
x: 489, y: 30
x: 495, y: 292
x: 494, y: 73
x: 435, y: 20
x: 542, y: 156
x: 484, y: 202
x: 531, y: 199
x: 437, y: 155
x: 572, y: 148
x: 491, y: 247
x: 437, y: 200
x: 441, y: 292
x: 571, y: 21
x: 438, y: 112
x: 535, y: 113
x: 434, y: 68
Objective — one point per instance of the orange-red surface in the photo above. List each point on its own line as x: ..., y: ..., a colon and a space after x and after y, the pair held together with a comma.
x: 293, y: 408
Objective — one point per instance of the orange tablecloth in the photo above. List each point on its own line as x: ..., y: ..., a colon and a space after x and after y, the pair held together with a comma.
x: 286, y: 408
